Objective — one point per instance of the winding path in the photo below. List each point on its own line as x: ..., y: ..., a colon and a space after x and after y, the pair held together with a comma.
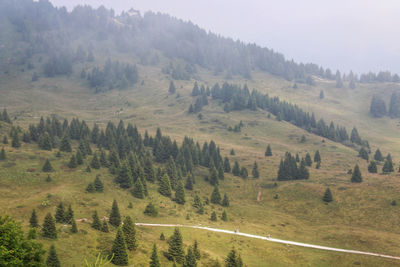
x: 271, y: 239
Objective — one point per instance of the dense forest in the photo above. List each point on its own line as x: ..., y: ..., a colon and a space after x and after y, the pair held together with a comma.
x: 58, y: 39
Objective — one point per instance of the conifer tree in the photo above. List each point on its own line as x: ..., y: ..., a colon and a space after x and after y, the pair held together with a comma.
x: 232, y: 152
x: 98, y: 184
x: 72, y: 162
x: 45, y: 142
x: 224, y: 216
x: 189, y: 182
x: 103, y: 159
x: 88, y: 169
x: 165, y: 186
x: 190, y: 259
x: 74, y: 228
x: 363, y: 154
x: 138, y: 190
x: 172, y: 88
x: 5, y: 140
x: 321, y: 95
x: 15, y: 140
x: 172, y: 172
x: 162, y: 237
x: 356, y: 175
x: 215, y: 196
x: 268, y: 151
x: 65, y: 145
x: 104, y: 227
x: 317, y: 156
x: 302, y: 171
x: 119, y: 249
x: 308, y: 159
x: 124, y: 177
x: 96, y: 223
x: 388, y: 166
x: 227, y: 165
x: 48, y: 178
x: 213, y: 175
x: 32, y: 234
x: 49, y: 227
x: 79, y: 158
x: 115, y: 217
x: 154, y: 261
x: 255, y: 171
x: 90, y: 188
x: 60, y: 213
x: 236, y: 169
x: 233, y: 260
x: 327, y: 196
x: 129, y: 230
x: 151, y: 210
x: 95, y: 163
x: 225, y: 201
x: 243, y: 173
x: 196, y: 250
x: 372, y: 167
x: 297, y: 157
x: 221, y: 175
x: 2, y: 154
x: 180, y: 193
x: 52, y: 258
x: 33, y: 221
x: 198, y: 204
x: 47, y: 166
x: 378, y: 155
x: 69, y: 215
x: 175, y: 248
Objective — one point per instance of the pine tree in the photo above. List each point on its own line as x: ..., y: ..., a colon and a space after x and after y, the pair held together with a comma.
x: 378, y: 107
x: 151, y: 210
x: 388, y: 166
x: 372, y: 167
x: 45, y: 142
x: 308, y: 159
x: 378, y: 155
x: 5, y: 140
x: 119, y: 249
x: 33, y: 221
x: 225, y: 201
x: 2, y: 154
x: 232, y: 152
x: 98, y: 184
x: 213, y: 175
x: 49, y: 227
x: 96, y: 223
x: 327, y: 196
x: 196, y: 250
x: 255, y: 171
x: 233, y: 260
x: 356, y: 175
x: 65, y: 145
x: 243, y: 173
x: 190, y: 259
x: 165, y: 186
x: 60, y: 213
x: 103, y: 159
x: 47, y: 166
x: 198, y: 204
x: 72, y: 162
x: 180, y: 193
x: 74, y: 228
x: 69, y: 215
x: 154, y: 261
x: 227, y: 165
x: 32, y: 234
x: 363, y: 153
x: 124, y: 177
x: 302, y: 171
x: 213, y: 216
x: 138, y: 190
x: 95, y: 163
x: 104, y: 227
x: 268, y: 151
x: 175, y: 248
x: 221, y: 175
x: 88, y: 169
x: 15, y: 140
x: 216, y: 196
x: 79, y: 158
x: 317, y: 156
x: 171, y: 88
x: 224, y: 216
x: 115, y: 217
x: 52, y: 258
x: 129, y: 230
x: 321, y: 95
x: 90, y: 188
x: 162, y: 237
x: 189, y: 182
x: 48, y: 178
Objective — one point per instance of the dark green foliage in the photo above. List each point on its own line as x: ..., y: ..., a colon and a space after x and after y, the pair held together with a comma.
x: 190, y: 259
x: 363, y: 153
x: 69, y: 215
x: 96, y: 223
x: 119, y: 249
x: 79, y: 158
x: 154, y: 261
x: 227, y: 165
x: 198, y: 204
x: 90, y: 188
x: 98, y: 184
x: 233, y: 259
x: 72, y: 162
x: 243, y: 173
x: 151, y: 210
x: 175, y: 248
x: 129, y: 230
x: 224, y: 216
x: 115, y: 217
x: 318, y: 165
x: 103, y: 159
x: 60, y: 213
x: 16, y: 250
x: 321, y: 95
x: 225, y: 201
x: 388, y: 166
x: 213, y: 176
x: 5, y: 117
x: 138, y: 189
x: 268, y: 151
x: 65, y: 145
x: 254, y: 171
x: 356, y: 175
x: 165, y: 186
x: 130, y: 205
x: 378, y: 155
x: 2, y: 154
x: 33, y: 221
x: 45, y: 142
x: 394, y: 106
x: 49, y: 227
x: 162, y: 237
x: 32, y: 234
x: 104, y: 227
x: 317, y: 156
x: 88, y: 169
x: 52, y: 259
x: 180, y: 193
x: 5, y: 140
x: 215, y: 196
x: 124, y: 178
x: 172, y: 88
x: 48, y: 178
x: 378, y: 107
x: 308, y: 159
x: 372, y: 167
x: 327, y: 196
x: 95, y: 163
x: 303, y: 171
x: 47, y: 166
x: 15, y: 140
x: 288, y: 169
x: 221, y: 174
x: 196, y: 250
x: 74, y: 228
x: 232, y: 152
x: 393, y: 203
x: 189, y: 182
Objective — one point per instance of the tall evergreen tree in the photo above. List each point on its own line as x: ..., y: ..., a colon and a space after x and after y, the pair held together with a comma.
x: 115, y: 217
x: 3, y: 154
x: 190, y: 259
x: 129, y: 230
x: 236, y: 169
x: 189, y: 182
x: 74, y: 227
x: 233, y: 259
x: 47, y: 166
x: 96, y: 223
x: 196, y: 250
x: 151, y: 210
x: 227, y: 165
x: 363, y: 153
x: 60, y: 213
x: 175, y: 248
x: 138, y: 189
x: 172, y: 88
x: 388, y: 166
x: 15, y: 140
x: 72, y: 162
x: 308, y: 159
x: 165, y: 186
x: 317, y: 156
x: 124, y: 177
x: 225, y: 201
x: 104, y: 227
x: 268, y: 151
x: 327, y: 196
x: 69, y: 215
x: 98, y: 184
x: 79, y: 157
x: 180, y: 193
x: 372, y: 167
x: 224, y: 216
x: 95, y: 163
x: 52, y: 258
x: 215, y: 196
x: 154, y: 261
x: 49, y: 227
x: 45, y: 142
x: 33, y: 221
x: 243, y: 173
x: 65, y: 145
x: 119, y: 249
x: 254, y: 171
x: 378, y: 107
x: 378, y: 155
x: 302, y: 171
x: 356, y: 175
x: 213, y: 175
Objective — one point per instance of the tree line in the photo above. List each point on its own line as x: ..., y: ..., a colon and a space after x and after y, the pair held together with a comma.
x: 378, y: 106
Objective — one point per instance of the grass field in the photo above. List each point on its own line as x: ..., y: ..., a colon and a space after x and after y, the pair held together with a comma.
x: 361, y: 216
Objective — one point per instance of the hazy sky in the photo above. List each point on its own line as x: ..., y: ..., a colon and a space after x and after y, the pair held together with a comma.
x: 361, y: 35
